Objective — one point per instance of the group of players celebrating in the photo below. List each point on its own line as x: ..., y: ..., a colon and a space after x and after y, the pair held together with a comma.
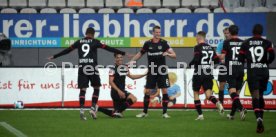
x: 257, y: 52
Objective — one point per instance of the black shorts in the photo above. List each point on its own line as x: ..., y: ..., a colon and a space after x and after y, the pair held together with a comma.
x: 83, y: 79
x: 117, y: 101
x: 257, y: 80
x: 235, y: 80
x: 222, y: 75
x: 202, y: 80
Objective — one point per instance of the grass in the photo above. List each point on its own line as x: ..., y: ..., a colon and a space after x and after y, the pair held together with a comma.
x: 66, y: 123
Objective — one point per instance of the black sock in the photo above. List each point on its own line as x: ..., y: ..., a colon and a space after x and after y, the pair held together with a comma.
x: 256, y: 107
x: 125, y: 105
x: 95, y: 97
x: 221, y: 96
x: 213, y: 99
x: 198, y: 107
x: 165, y: 101
x: 82, y: 98
x: 106, y: 111
x: 236, y: 101
x: 262, y: 105
x: 146, y: 103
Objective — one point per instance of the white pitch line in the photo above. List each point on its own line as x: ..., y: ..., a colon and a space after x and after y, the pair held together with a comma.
x: 12, y: 129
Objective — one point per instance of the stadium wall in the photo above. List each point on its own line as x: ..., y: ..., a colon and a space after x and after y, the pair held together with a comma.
x: 57, y: 87
x: 118, y: 31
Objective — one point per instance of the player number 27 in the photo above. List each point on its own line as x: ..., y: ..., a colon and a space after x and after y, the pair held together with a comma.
x: 256, y: 52
x: 206, y: 55
x: 85, y: 48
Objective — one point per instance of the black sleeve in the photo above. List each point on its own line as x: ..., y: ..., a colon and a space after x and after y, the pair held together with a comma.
x: 242, y: 53
x: 110, y: 49
x: 144, y: 49
x: 215, y: 57
x: 67, y: 50
x: 166, y: 46
x: 196, y: 59
x: 271, y: 54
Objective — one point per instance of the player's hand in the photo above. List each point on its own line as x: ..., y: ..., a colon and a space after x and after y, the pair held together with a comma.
x: 165, y: 54
x: 130, y: 56
x: 121, y: 94
x: 50, y: 58
x: 131, y: 64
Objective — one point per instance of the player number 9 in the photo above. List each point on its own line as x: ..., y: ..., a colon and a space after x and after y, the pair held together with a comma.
x: 85, y: 48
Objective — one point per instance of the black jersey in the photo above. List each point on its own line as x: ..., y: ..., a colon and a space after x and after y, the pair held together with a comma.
x: 87, y: 51
x: 258, y: 52
x: 204, y: 58
x: 119, y: 73
x: 155, y: 51
x: 231, y: 49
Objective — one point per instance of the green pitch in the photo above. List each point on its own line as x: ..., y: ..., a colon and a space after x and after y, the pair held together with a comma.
x: 66, y: 123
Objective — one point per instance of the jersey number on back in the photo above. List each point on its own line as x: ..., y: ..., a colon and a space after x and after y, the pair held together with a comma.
x: 206, y: 55
x: 85, y: 48
x: 235, y: 52
x: 256, y: 52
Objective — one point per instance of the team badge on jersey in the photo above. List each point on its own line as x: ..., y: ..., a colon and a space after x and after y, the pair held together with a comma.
x: 159, y: 47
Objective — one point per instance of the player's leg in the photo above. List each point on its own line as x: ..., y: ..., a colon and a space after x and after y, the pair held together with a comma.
x: 82, y: 85
x: 263, y: 88
x: 222, y: 82
x: 254, y: 90
x: 151, y: 81
x: 236, y: 104
x: 96, y: 84
x: 241, y: 109
x: 196, y: 87
x: 106, y: 111
x: 164, y: 84
x: 129, y: 101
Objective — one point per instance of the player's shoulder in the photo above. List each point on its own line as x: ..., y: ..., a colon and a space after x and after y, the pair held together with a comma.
x: 163, y: 41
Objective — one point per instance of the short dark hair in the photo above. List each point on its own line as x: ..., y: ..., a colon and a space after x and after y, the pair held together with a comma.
x: 90, y: 30
x: 202, y: 33
x: 257, y: 29
x: 225, y: 29
x: 155, y: 27
x: 234, y: 30
x: 115, y: 54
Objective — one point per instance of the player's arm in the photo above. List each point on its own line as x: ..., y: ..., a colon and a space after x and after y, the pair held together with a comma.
x: 65, y: 51
x: 110, y: 49
x: 216, y: 58
x: 170, y: 53
x: 242, y: 52
x: 143, y: 50
x: 114, y: 86
x: 135, y: 76
x: 219, y: 49
x: 223, y: 52
x: 196, y: 58
x: 271, y: 54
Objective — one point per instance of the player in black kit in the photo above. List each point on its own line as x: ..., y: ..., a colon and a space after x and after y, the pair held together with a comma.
x: 122, y: 99
x: 259, y: 53
x: 235, y: 70
x: 87, y: 51
x: 157, y: 49
x: 204, y: 57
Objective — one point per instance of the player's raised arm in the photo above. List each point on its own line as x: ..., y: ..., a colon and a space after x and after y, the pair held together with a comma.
x: 143, y: 50
x: 65, y: 51
x: 110, y: 49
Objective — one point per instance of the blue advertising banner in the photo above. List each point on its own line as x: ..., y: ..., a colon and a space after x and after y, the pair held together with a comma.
x: 33, y: 30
